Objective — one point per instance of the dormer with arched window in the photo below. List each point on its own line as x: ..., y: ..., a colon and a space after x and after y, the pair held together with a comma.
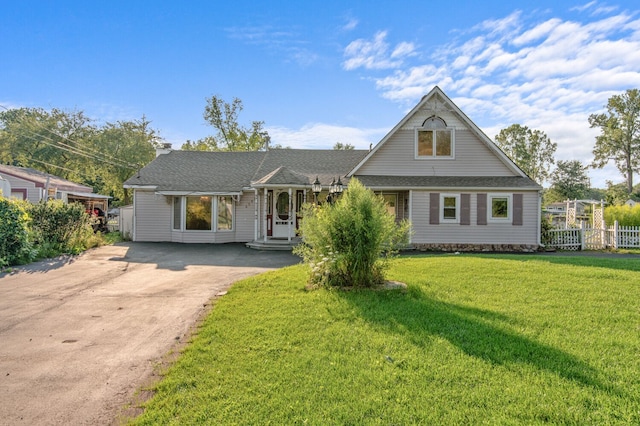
x: 434, y: 140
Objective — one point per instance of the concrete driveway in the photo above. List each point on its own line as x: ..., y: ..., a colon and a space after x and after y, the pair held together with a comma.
x: 79, y: 335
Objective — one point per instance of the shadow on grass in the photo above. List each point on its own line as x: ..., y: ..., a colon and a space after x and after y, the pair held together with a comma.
x: 478, y: 333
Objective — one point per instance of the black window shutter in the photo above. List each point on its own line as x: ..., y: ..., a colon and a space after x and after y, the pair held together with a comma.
x: 434, y: 208
x: 465, y: 209
x: 517, y: 209
x: 482, y: 209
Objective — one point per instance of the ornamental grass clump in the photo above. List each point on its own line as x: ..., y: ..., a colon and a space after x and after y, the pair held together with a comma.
x: 348, y: 243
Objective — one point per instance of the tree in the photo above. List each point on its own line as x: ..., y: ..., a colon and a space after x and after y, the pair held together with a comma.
x: 70, y: 145
x: 616, y: 194
x: 568, y: 181
x: 531, y: 150
x: 619, y: 139
x: 347, y: 243
x: 345, y: 146
x: 231, y: 136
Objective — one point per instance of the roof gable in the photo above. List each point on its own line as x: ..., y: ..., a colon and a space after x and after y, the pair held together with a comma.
x: 436, y: 101
x: 283, y: 176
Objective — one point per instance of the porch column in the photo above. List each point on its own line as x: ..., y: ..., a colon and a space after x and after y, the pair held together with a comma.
x: 291, y: 215
x: 265, y: 215
x: 255, y: 219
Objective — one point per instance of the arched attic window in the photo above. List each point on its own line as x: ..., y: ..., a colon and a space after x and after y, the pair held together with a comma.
x: 434, y: 139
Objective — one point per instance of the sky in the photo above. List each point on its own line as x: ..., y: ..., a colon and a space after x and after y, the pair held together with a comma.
x: 321, y: 72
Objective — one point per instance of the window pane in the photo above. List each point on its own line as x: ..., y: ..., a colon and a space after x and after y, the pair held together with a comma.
x: 177, y: 210
x: 449, y: 208
x: 199, y: 213
x: 282, y: 206
x: 500, y: 207
x: 425, y: 143
x: 225, y: 213
x: 443, y: 143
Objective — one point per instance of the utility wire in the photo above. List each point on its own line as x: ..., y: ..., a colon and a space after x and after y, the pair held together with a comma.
x: 82, y: 151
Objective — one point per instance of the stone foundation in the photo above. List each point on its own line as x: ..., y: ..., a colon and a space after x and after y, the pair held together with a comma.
x: 478, y: 248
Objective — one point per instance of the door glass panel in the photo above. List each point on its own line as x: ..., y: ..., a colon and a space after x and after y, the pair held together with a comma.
x: 282, y: 206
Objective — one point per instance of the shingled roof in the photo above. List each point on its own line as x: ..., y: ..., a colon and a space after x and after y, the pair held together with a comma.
x: 198, y: 171
x: 40, y: 179
x: 436, y: 182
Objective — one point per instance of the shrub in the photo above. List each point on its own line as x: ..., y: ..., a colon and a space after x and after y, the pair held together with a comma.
x: 15, y: 246
x: 625, y: 215
x: 58, y: 227
x: 348, y: 243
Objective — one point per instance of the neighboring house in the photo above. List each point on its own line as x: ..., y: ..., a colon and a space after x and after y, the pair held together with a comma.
x: 435, y: 168
x: 5, y: 187
x: 35, y: 186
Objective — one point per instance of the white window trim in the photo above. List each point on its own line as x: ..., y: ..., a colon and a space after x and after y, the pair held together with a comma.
x: 181, y: 225
x: 233, y: 214
x: 214, y: 216
x: 490, y: 217
x: 434, y: 157
x: 444, y: 220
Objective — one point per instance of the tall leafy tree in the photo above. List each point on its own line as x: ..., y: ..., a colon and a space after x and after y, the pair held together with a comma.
x: 531, y: 150
x: 569, y: 180
x: 124, y: 147
x: 70, y: 145
x: 619, y: 138
x: 231, y: 136
x: 50, y: 141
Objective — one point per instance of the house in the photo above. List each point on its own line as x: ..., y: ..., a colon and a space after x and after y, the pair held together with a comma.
x: 435, y: 168
x: 35, y: 186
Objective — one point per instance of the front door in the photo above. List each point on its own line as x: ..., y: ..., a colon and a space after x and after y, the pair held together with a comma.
x: 283, y: 217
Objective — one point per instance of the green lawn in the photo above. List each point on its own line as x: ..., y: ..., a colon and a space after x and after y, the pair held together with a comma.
x: 473, y: 340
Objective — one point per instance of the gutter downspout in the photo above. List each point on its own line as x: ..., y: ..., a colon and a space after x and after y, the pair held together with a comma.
x: 291, y: 216
x: 539, y: 216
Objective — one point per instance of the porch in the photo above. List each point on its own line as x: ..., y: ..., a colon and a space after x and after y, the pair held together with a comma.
x: 274, y: 244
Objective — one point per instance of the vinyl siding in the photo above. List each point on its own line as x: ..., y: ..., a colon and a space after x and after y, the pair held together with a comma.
x: 34, y: 194
x: 157, y: 213
x: 491, y: 233
x: 397, y: 158
x: 245, y: 218
x: 152, y: 216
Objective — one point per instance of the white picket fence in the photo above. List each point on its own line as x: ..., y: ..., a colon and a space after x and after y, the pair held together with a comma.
x: 585, y: 238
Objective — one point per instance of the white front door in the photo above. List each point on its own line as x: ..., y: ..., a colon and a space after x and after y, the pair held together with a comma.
x: 283, y: 217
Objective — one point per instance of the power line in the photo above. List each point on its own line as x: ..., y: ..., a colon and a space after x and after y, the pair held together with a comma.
x: 86, y: 152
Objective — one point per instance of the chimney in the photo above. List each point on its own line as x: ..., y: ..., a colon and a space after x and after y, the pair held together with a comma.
x: 164, y: 148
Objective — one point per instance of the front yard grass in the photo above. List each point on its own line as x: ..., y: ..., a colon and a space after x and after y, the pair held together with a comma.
x: 495, y: 339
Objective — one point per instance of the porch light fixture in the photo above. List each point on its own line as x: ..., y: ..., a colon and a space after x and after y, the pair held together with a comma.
x: 339, y: 188
x: 335, y: 189
x: 316, y: 188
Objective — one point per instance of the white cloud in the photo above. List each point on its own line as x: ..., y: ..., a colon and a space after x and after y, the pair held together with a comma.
x: 350, y: 25
x: 324, y: 136
x: 375, y: 54
x: 548, y: 74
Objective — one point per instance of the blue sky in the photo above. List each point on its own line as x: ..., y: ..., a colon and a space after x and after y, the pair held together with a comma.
x: 320, y: 72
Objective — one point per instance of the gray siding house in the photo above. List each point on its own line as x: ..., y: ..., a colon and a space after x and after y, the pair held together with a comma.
x: 34, y: 186
x: 435, y: 168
